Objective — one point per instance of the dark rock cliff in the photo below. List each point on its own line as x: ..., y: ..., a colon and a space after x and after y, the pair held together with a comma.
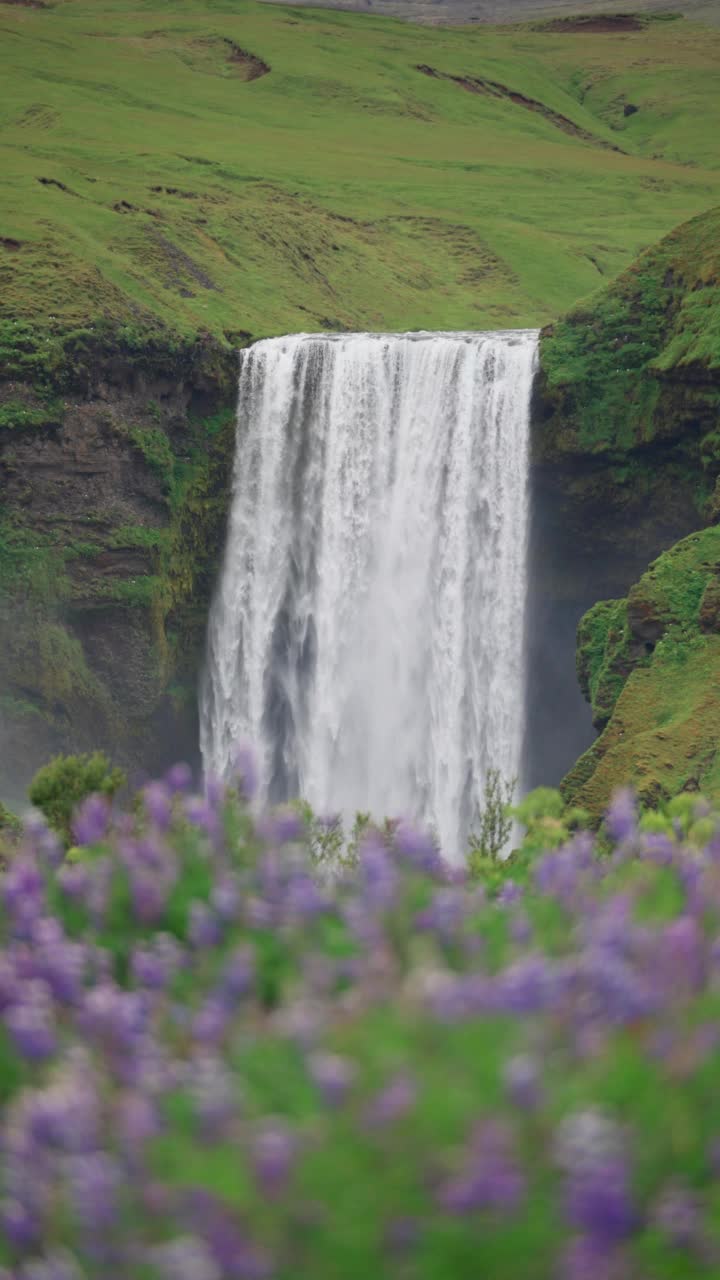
x: 115, y: 463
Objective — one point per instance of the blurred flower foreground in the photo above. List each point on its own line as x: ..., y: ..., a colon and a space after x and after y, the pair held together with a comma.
x: 220, y: 1062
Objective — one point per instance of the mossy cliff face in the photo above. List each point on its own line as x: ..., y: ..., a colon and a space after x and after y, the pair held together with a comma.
x: 626, y: 457
x: 115, y: 460
x: 627, y: 438
x: 650, y: 665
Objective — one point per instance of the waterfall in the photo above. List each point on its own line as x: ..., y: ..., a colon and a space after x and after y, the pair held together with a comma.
x: 367, y: 632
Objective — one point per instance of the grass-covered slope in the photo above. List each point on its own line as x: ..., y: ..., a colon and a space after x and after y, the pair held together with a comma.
x: 650, y: 666
x: 612, y: 366
x: 237, y: 168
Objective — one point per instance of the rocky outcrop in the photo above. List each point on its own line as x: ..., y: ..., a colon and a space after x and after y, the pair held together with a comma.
x: 626, y: 458
x: 650, y: 666
x: 114, y: 471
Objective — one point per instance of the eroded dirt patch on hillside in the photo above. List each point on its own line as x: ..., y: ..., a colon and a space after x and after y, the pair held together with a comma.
x: 245, y: 64
x: 493, y: 89
x: 603, y: 24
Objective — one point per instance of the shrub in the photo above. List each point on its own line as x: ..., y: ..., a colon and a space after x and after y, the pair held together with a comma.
x: 59, y: 787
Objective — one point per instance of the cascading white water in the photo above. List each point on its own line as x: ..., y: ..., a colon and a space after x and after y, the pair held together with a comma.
x: 367, y: 633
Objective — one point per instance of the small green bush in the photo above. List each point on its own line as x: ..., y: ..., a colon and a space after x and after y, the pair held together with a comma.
x: 60, y: 786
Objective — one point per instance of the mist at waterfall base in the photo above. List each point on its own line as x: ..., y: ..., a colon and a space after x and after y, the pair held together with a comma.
x: 367, y: 634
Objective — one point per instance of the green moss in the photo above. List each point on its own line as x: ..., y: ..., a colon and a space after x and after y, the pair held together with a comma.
x: 674, y: 584
x: 30, y: 563
x: 605, y: 365
x: 16, y: 416
x: 142, y: 592
x: 603, y: 656
x: 9, y: 823
x: 662, y: 733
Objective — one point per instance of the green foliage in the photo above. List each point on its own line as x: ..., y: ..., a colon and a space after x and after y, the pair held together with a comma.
x: 10, y: 828
x: 29, y: 561
x: 60, y: 786
x: 602, y: 656
x: 157, y: 451
x: 332, y: 848
x: 16, y: 416
x: 491, y: 833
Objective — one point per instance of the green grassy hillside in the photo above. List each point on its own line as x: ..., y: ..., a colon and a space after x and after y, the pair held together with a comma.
x: 245, y: 169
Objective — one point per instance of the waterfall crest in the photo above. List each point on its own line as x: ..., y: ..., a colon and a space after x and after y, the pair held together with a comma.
x: 367, y: 632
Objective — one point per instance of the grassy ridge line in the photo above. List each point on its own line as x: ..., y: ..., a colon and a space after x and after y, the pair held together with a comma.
x: 344, y: 188
x: 609, y: 366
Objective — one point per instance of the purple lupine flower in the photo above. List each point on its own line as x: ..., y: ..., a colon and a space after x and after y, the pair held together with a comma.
x: 226, y: 897
x: 8, y: 982
x: 204, y: 928
x: 23, y: 890
x: 179, y: 778
x: 526, y: 986
x: 678, y: 1215
x: 117, y: 1018
x: 31, y: 1023
x: 598, y: 1201
x: 520, y: 928
x: 521, y: 1078
x: 510, y: 893
x: 445, y: 914
x: 214, y: 1094
x: 245, y: 771
x: 238, y: 974
x: 621, y: 817
x: 393, y: 1102
x: 282, y: 826
x: 681, y: 956
x: 598, y: 1198
x: 201, y: 814
x: 94, y: 1181
x: 417, y: 848
x: 148, y: 895
x: 584, y: 1259
x: 304, y: 898
x: 490, y: 1180
x: 147, y: 968
x: 66, y: 1116
x: 62, y: 967
x: 47, y: 846
x: 74, y: 880
x: 60, y: 1265
x: 18, y: 1225
x: 157, y: 802
x: 185, y: 1258
x: 236, y: 1256
x: 273, y: 1154
x: 136, y: 1121
x: 586, y: 1139
x: 613, y: 989
x: 210, y: 1022
x: 90, y: 820
x: 378, y: 876
x: 332, y: 1075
